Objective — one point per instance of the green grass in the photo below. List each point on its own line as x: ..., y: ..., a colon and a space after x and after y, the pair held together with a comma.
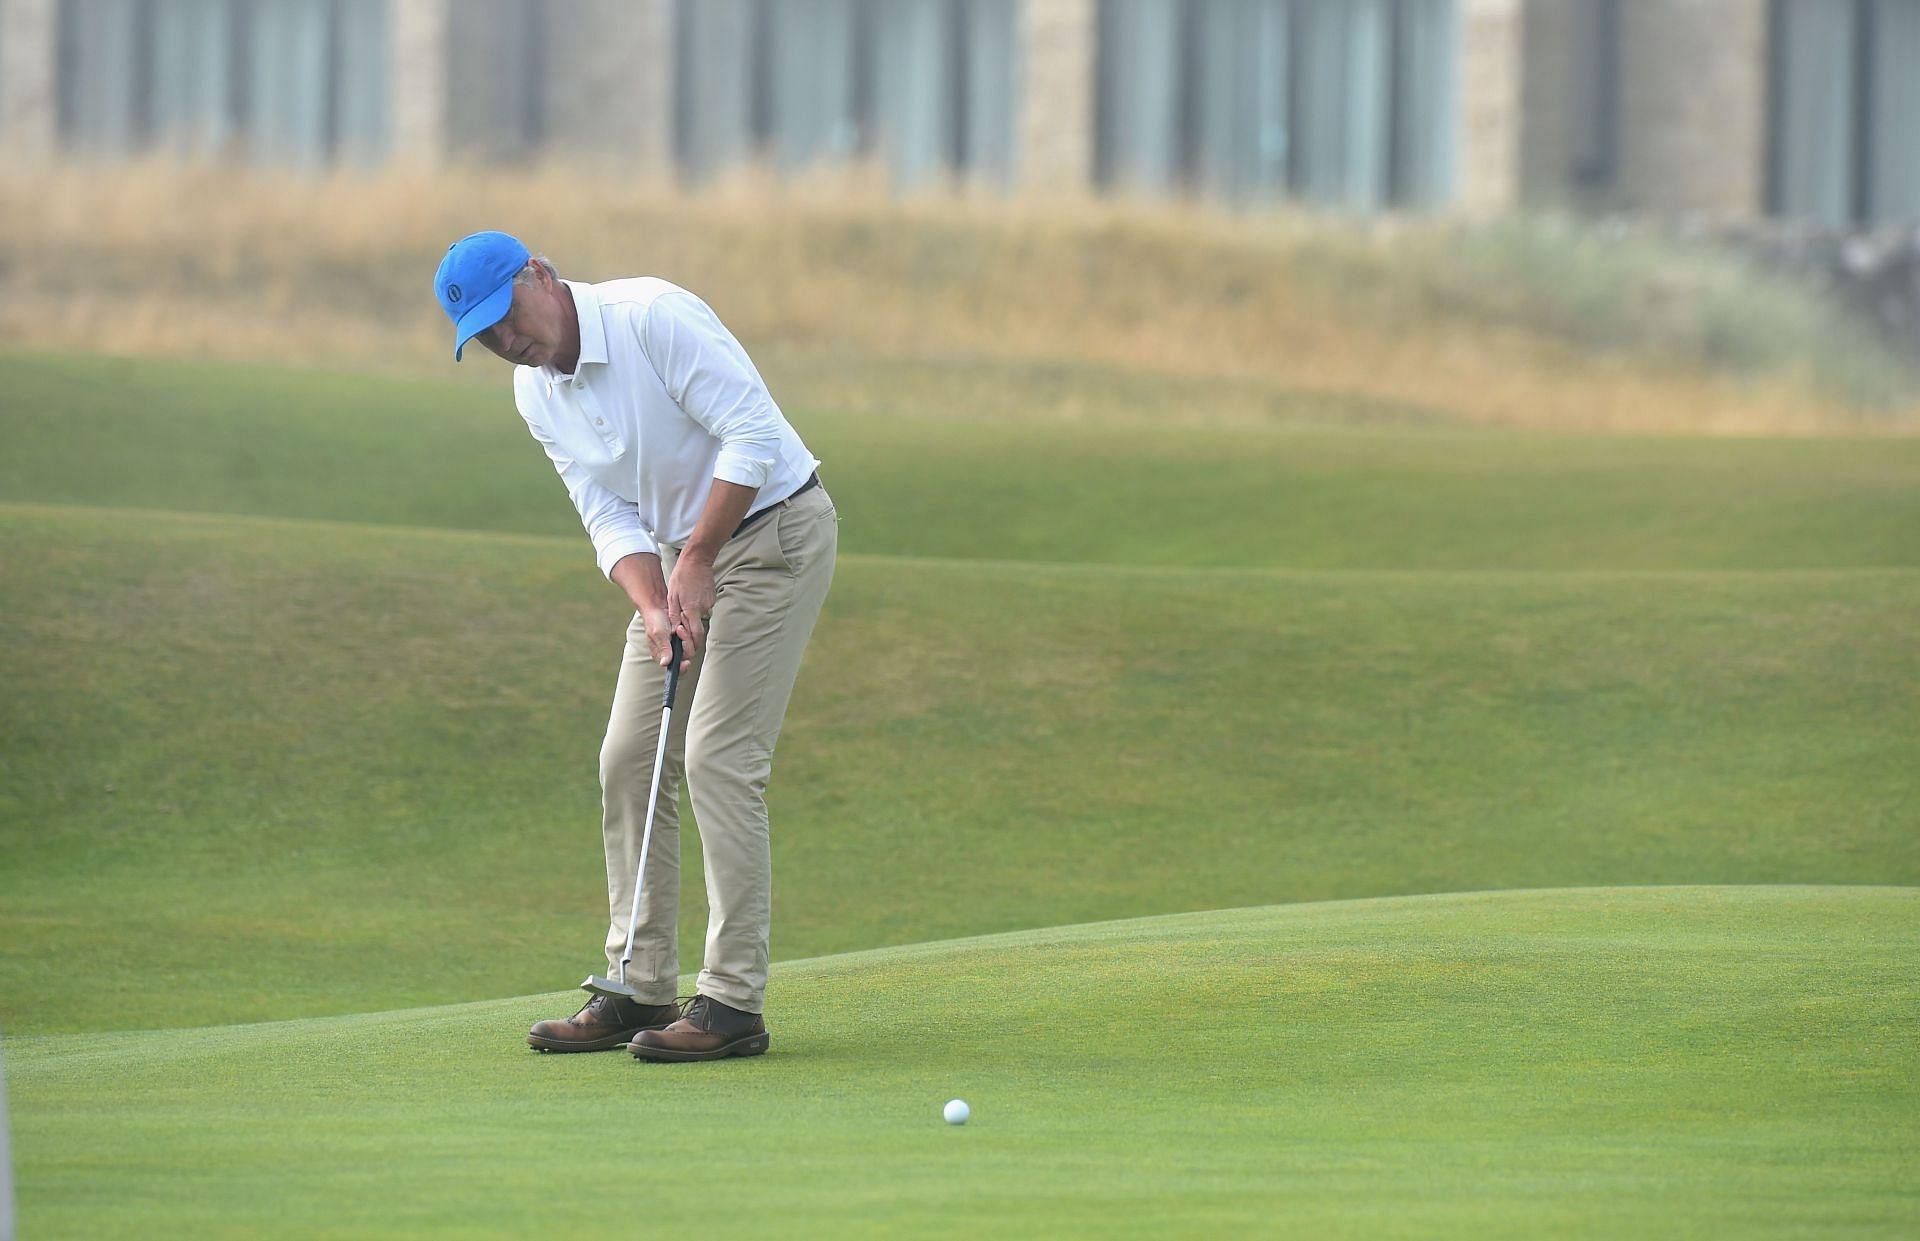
x: 333, y: 768
x: 305, y: 676
x: 1294, y: 495
x: 1680, y: 1062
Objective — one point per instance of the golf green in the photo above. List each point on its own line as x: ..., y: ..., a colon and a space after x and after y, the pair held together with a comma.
x: 1621, y: 1063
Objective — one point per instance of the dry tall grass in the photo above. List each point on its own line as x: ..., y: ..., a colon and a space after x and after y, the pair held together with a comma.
x: 850, y: 299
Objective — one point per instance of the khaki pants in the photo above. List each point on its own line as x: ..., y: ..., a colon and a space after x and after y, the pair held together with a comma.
x: 770, y: 582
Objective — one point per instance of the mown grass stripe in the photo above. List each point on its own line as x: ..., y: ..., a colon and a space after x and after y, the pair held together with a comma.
x: 254, y: 440
x: 1044, y: 568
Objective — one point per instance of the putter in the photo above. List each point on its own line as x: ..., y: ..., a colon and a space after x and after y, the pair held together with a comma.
x: 618, y: 987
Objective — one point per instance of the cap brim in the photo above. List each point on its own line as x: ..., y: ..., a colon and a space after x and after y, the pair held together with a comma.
x: 488, y: 311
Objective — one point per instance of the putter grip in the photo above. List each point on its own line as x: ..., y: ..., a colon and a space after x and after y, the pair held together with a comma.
x: 673, y: 675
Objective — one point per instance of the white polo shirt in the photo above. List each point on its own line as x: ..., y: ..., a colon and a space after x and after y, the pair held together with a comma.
x: 662, y: 401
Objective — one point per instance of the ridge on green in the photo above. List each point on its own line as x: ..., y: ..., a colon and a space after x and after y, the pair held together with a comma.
x: 1302, y: 493
x: 257, y: 768
x: 1621, y: 1063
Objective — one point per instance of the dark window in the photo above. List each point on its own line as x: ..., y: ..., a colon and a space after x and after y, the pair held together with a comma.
x: 1842, y: 109
x: 1348, y: 103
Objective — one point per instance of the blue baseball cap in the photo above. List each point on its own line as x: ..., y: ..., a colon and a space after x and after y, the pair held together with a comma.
x: 475, y: 283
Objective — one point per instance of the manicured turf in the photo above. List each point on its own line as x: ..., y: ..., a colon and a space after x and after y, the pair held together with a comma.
x: 150, y: 435
x: 304, y: 681
x: 1627, y: 1063
x: 320, y: 769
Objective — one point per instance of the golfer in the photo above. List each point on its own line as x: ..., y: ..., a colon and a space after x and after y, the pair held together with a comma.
x: 705, y: 507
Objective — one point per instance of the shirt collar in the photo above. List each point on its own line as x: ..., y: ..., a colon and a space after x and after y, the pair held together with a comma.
x: 593, y: 332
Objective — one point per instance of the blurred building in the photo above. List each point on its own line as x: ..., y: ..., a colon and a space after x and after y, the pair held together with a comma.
x: 1808, y: 109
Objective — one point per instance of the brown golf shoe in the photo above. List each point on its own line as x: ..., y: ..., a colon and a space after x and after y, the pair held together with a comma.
x: 710, y: 1030
x: 605, y: 1023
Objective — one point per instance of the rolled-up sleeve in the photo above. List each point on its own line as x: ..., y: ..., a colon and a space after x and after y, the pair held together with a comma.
x: 708, y: 374
x: 612, y: 524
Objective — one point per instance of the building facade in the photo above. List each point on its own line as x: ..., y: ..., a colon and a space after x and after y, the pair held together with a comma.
x: 1806, y: 109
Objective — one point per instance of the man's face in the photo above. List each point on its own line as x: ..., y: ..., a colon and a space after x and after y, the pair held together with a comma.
x: 532, y: 332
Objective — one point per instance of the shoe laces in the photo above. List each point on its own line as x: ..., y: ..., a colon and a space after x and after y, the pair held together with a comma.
x: 610, y: 1006
x: 693, y: 1008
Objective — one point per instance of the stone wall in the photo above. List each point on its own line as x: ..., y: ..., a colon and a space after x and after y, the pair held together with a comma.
x: 1682, y: 125
x: 1492, y: 107
x: 1547, y: 136
x: 1686, y: 130
x: 1693, y: 106
x: 419, y: 48
x: 610, y: 83
x: 1054, y: 120
x: 29, y: 99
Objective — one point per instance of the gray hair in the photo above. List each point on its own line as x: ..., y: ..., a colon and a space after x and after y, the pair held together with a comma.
x: 524, y: 276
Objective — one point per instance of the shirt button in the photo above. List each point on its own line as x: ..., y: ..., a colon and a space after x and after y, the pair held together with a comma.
x: 599, y: 422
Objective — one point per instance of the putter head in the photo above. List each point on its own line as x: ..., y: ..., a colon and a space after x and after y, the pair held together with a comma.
x: 606, y: 986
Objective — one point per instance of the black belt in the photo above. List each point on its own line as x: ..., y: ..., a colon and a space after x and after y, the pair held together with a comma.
x: 813, y: 481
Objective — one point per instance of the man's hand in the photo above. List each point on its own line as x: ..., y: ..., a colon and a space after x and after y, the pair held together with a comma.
x: 690, y: 591
x: 659, y: 636
x: 640, y: 576
x: 690, y: 599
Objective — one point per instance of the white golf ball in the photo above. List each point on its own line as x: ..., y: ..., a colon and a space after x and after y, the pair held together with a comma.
x: 957, y: 1111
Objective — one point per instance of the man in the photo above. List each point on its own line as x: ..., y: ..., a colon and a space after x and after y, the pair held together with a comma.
x: 704, y: 506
